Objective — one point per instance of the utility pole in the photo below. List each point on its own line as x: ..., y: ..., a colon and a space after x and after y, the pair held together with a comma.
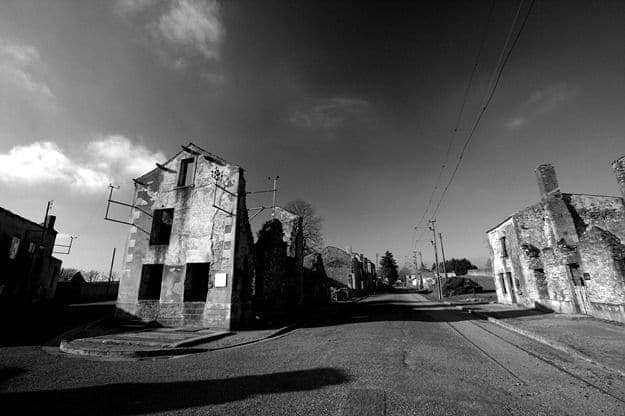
x: 417, y: 270
x: 440, y: 235
x: 438, y: 275
x: 111, y: 272
x: 274, y: 191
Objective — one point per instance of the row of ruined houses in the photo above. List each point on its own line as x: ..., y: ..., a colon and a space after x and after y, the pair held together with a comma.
x: 191, y: 258
x: 565, y: 252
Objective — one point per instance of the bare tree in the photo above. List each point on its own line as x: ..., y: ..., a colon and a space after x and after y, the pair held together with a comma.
x: 313, y: 240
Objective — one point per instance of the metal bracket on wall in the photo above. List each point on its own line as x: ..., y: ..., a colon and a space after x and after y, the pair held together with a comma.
x: 215, y: 199
x: 111, y: 201
x: 65, y: 246
x: 261, y: 208
x: 258, y: 211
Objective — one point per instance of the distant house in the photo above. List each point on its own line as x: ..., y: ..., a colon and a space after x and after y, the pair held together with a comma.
x: 189, y: 256
x: 28, y: 271
x: 565, y: 252
x: 347, y: 269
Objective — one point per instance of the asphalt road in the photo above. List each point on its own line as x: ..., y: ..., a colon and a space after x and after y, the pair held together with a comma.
x: 394, y: 354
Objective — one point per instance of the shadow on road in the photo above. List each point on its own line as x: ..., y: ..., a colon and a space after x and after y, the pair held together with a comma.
x: 35, y: 324
x: 400, y: 310
x: 141, y: 398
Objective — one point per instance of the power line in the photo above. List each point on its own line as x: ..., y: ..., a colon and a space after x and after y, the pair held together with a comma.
x: 457, y: 123
x: 485, y: 106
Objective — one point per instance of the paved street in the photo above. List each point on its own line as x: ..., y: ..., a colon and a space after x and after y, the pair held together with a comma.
x: 395, y: 354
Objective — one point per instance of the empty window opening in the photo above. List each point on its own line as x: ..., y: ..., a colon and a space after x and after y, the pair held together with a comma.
x: 196, y: 282
x: 502, y: 283
x: 504, y: 250
x: 186, y: 172
x: 509, y: 281
x: 151, y: 278
x: 161, y: 226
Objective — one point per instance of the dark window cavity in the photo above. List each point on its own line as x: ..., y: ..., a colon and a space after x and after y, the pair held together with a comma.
x: 504, y: 249
x: 196, y: 282
x: 503, y: 283
x: 151, y: 278
x: 161, y: 226
x: 186, y: 172
x: 509, y: 281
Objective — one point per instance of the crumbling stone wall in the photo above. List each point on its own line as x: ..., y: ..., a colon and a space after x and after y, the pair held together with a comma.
x: 279, y: 250
x: 28, y: 271
x: 603, y: 254
x: 606, y: 212
x: 554, y: 241
x: 502, y: 261
x: 206, y: 228
x: 619, y: 171
x: 316, y: 284
x: 271, y: 267
x: 338, y: 266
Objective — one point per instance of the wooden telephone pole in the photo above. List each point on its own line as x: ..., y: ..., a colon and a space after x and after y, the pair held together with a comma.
x: 438, y: 275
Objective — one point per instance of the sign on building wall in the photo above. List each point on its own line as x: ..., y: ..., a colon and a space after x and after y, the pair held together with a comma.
x: 221, y: 279
x: 15, y: 246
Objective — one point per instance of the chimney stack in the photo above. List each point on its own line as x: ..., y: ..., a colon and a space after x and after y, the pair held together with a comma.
x: 619, y: 171
x: 50, y: 220
x: 547, y: 181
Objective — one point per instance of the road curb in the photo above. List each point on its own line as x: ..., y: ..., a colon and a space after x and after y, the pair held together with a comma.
x: 72, y: 333
x: 181, y: 348
x: 544, y: 340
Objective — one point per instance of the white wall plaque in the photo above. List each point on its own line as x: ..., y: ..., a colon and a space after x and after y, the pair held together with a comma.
x: 221, y: 279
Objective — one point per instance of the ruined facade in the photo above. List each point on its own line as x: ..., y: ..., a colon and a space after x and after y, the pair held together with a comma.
x: 29, y: 272
x: 189, y: 254
x: 316, y: 282
x: 279, y: 256
x: 347, y: 269
x: 565, y: 252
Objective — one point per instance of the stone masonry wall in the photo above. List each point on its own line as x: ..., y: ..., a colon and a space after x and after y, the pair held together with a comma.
x: 338, y: 265
x: 200, y: 233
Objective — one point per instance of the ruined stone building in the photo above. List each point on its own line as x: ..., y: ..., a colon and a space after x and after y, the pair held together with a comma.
x: 279, y: 256
x: 316, y: 282
x: 189, y: 256
x: 347, y: 269
x: 28, y: 271
x: 565, y: 252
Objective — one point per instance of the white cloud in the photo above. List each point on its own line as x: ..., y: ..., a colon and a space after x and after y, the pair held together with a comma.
x: 195, y: 25
x: 102, y: 161
x: 332, y: 113
x: 541, y: 103
x: 180, y: 31
x: 128, y: 8
x: 21, y: 76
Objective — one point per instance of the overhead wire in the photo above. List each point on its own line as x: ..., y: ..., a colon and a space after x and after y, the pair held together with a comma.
x: 465, y: 98
x: 487, y: 102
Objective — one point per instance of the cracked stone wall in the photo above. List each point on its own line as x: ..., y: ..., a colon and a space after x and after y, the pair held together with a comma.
x: 550, y: 240
x: 200, y: 233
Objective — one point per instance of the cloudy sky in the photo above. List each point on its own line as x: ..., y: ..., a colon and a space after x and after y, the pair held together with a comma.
x: 353, y: 104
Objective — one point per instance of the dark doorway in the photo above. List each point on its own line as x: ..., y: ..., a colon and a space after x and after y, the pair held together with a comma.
x: 196, y: 282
